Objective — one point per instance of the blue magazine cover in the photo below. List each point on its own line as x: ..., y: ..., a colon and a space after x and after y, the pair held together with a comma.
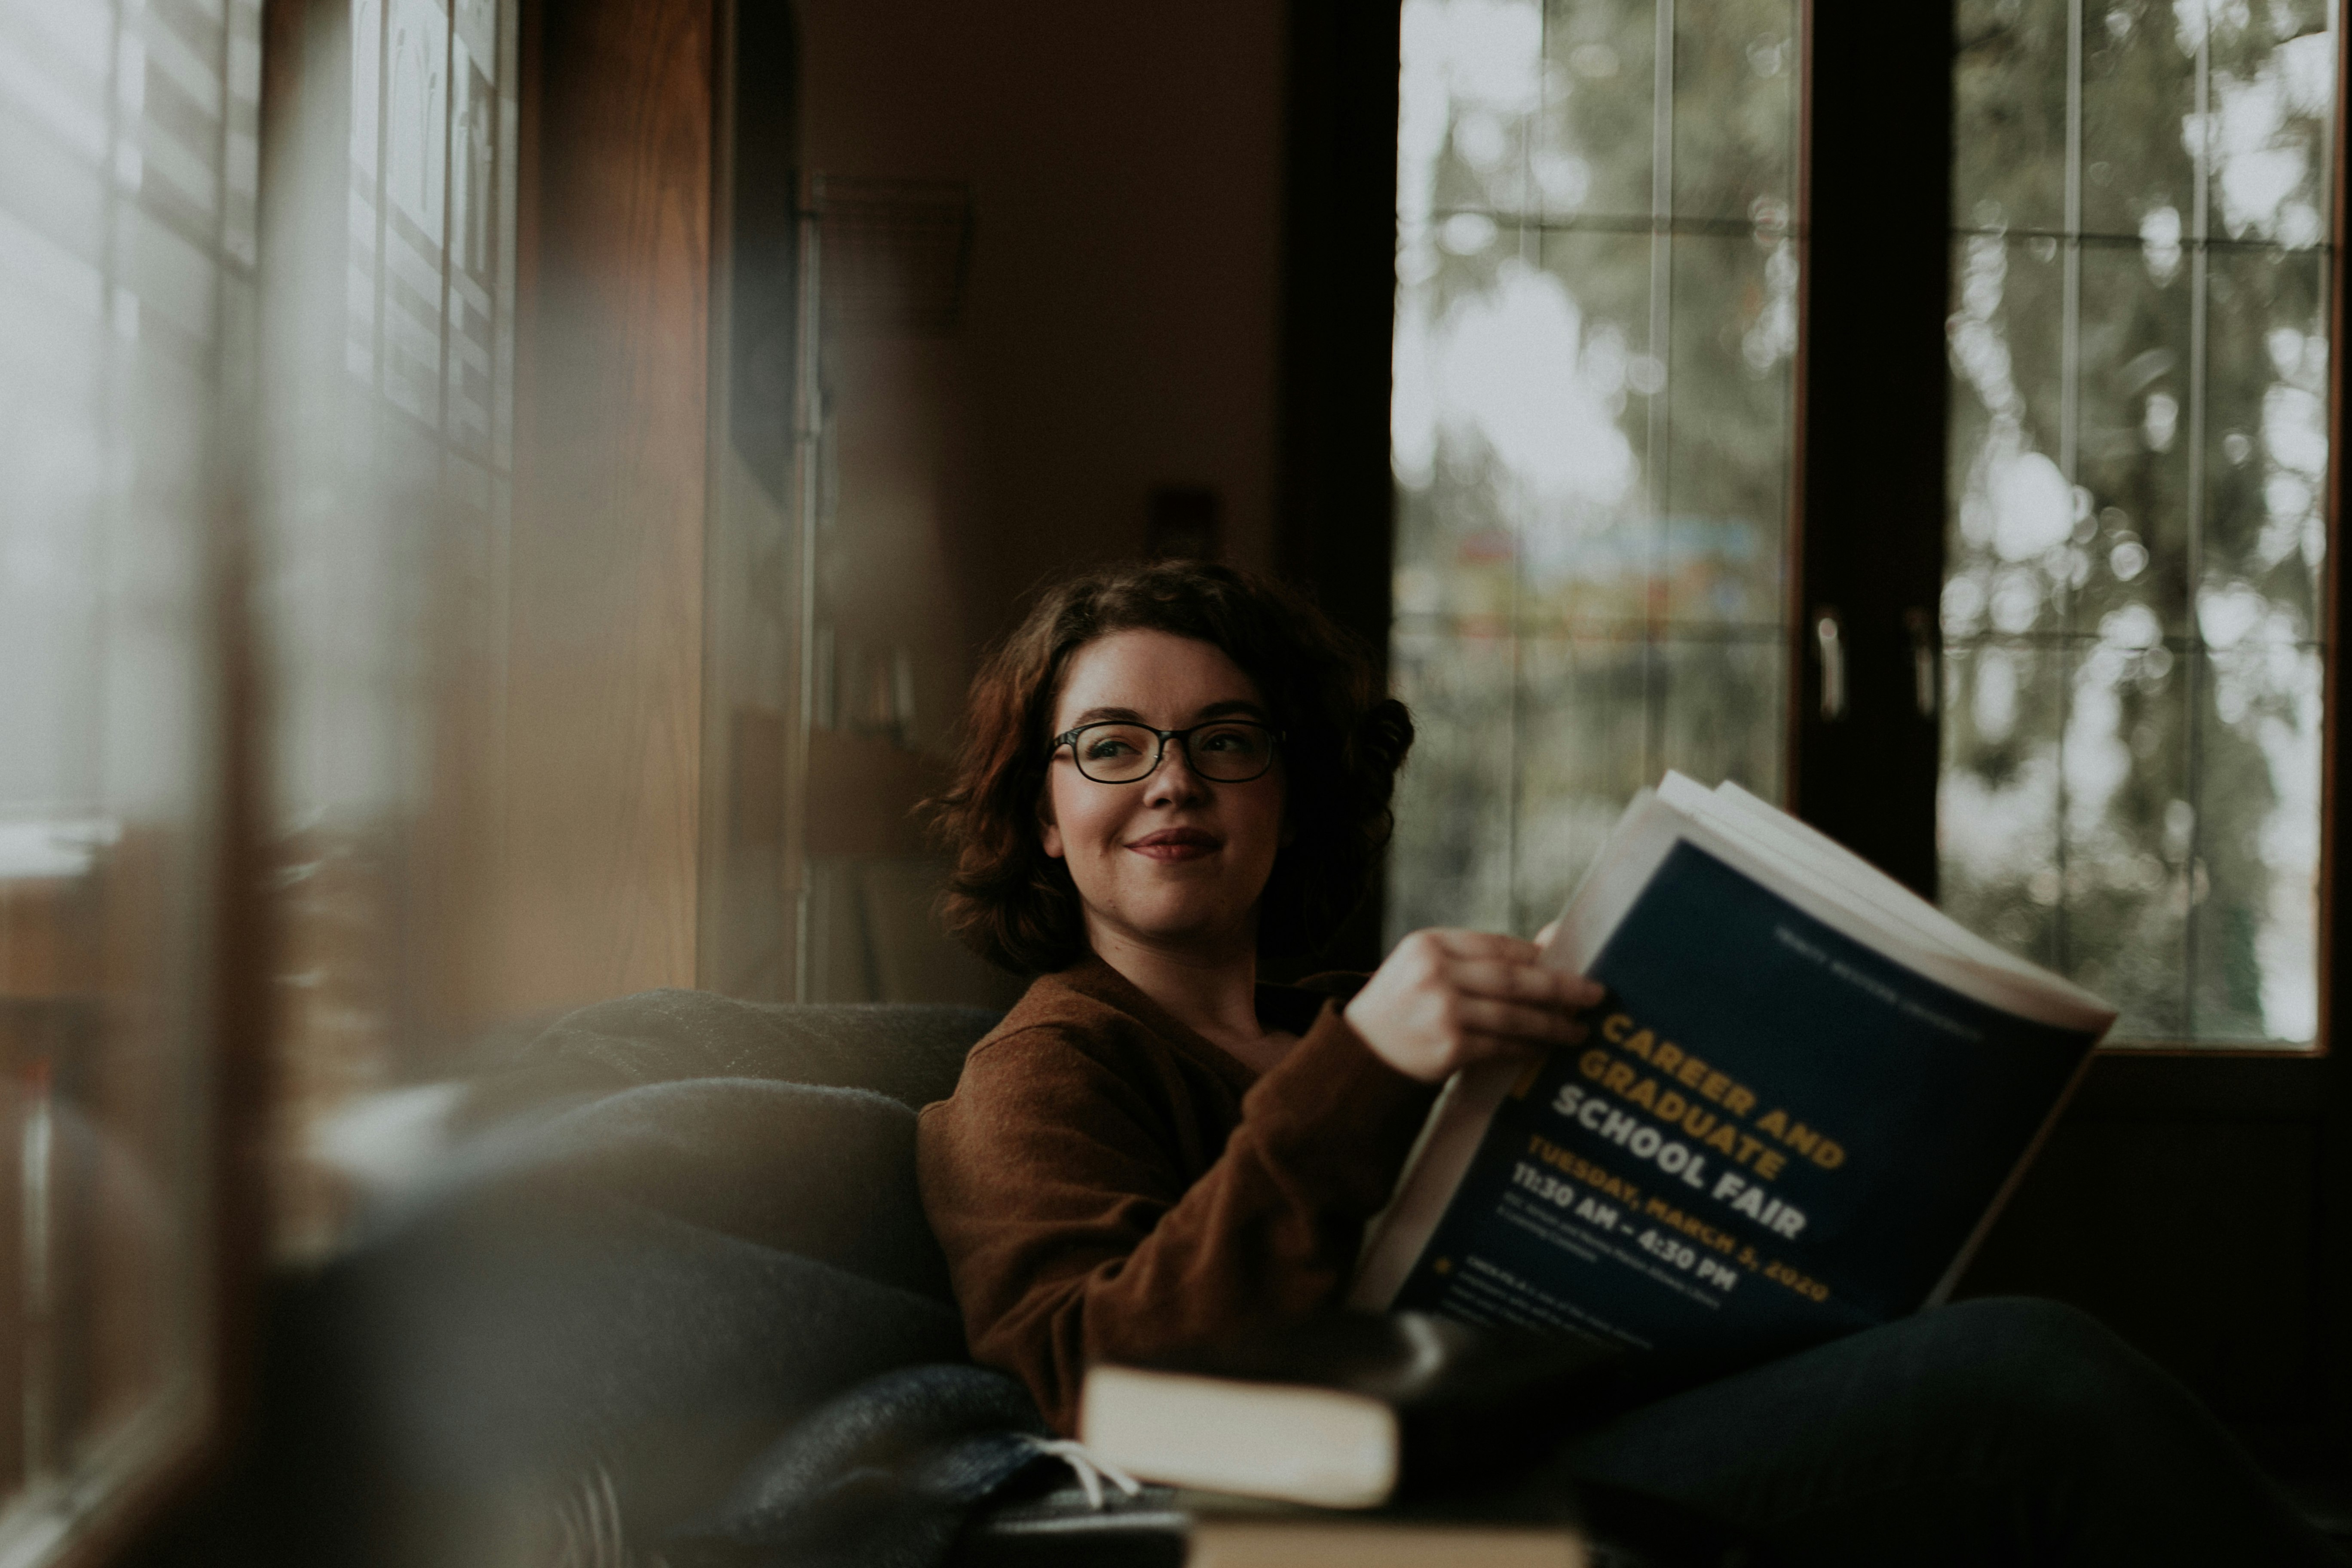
x: 1774, y: 1133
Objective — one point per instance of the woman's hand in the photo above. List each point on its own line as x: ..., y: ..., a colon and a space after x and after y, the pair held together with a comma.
x: 1447, y: 998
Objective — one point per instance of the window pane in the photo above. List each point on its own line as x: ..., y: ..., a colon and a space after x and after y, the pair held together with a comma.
x: 383, y: 563
x: 1454, y: 817
x: 2133, y: 451
x: 1722, y: 544
x: 1735, y: 87
x: 2257, y: 844
x: 2124, y: 901
x: 1590, y: 427
x: 1585, y: 715
x: 2137, y: 66
x: 2009, y: 74
x: 1600, y: 137
x: 2265, y: 450
x: 2138, y: 442
x: 2001, y: 797
x: 126, y: 291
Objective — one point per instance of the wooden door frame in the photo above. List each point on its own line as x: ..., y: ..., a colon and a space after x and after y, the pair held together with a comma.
x: 1867, y: 503
x: 1334, y: 528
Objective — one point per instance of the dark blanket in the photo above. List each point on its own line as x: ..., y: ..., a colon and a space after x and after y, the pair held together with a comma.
x: 707, y: 1305
x: 883, y: 1476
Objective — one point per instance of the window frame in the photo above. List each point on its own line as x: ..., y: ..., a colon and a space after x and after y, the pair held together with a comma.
x: 1869, y: 779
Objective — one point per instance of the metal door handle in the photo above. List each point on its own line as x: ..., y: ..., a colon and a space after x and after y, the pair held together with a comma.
x: 1829, y: 637
x: 1923, y: 659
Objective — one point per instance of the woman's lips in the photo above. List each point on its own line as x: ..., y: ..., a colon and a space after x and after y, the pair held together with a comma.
x: 1172, y: 844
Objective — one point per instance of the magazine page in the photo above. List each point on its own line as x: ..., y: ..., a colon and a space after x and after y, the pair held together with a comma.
x: 1775, y: 1133
x: 1909, y: 929
x: 1885, y: 923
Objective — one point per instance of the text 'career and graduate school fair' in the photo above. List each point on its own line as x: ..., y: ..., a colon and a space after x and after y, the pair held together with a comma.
x: 1798, y: 1110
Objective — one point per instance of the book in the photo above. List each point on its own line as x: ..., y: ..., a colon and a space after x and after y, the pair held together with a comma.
x: 1346, y: 1410
x: 1166, y: 1529
x: 1799, y: 1109
x: 1227, y: 1538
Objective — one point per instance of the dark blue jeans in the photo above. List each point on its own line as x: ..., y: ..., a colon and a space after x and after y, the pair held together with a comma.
x: 1993, y: 1432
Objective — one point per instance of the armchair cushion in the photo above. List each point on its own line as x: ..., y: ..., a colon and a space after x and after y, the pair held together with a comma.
x: 673, y: 1226
x: 910, y: 1052
x: 820, y: 1172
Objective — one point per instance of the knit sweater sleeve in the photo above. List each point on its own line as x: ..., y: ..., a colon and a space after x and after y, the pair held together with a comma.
x: 1072, y: 1236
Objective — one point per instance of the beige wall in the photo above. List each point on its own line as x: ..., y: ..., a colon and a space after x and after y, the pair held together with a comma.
x: 1117, y: 333
x: 1119, y: 328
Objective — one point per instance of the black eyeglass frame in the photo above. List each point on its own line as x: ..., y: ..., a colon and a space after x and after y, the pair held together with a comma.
x: 1182, y: 737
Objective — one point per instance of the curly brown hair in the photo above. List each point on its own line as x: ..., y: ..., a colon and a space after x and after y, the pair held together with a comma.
x: 1016, y: 906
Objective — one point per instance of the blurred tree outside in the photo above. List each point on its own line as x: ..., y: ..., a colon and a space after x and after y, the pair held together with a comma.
x: 1596, y: 321
x: 1596, y: 317
x: 2140, y: 455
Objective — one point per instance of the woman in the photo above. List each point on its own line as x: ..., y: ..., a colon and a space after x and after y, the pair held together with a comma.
x: 1172, y: 770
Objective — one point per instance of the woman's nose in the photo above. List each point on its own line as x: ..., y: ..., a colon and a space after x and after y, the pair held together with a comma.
x: 1173, y: 782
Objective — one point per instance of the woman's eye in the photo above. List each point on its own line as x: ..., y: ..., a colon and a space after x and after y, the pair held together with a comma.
x: 1227, y: 740
x: 1108, y: 748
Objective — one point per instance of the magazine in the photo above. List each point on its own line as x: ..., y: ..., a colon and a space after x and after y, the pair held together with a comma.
x: 1796, y: 1114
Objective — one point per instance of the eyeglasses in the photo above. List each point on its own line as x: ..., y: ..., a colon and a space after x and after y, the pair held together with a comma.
x: 1226, y: 750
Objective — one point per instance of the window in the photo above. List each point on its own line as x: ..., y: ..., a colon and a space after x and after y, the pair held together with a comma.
x: 382, y: 559
x: 2139, y: 457
x: 126, y: 253
x: 1596, y: 322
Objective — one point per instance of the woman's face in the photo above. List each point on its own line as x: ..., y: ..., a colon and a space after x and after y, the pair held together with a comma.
x: 1173, y: 860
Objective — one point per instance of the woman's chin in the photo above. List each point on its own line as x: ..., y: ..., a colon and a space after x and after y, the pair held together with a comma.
x: 1185, y: 927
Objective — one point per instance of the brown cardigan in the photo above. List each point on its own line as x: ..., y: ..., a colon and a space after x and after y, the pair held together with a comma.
x: 1108, y: 1184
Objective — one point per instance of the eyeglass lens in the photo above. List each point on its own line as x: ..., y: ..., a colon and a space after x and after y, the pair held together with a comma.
x: 1225, y: 753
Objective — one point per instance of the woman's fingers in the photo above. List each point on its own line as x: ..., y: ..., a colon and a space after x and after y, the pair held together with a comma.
x: 1540, y: 1026
x: 1479, y: 1048
x: 1486, y: 944
x: 1448, y: 997
x: 1523, y: 983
